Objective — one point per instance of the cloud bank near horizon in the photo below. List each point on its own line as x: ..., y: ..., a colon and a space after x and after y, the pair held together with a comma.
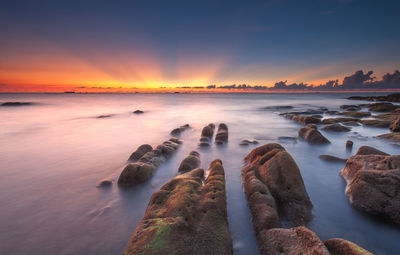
x: 356, y: 81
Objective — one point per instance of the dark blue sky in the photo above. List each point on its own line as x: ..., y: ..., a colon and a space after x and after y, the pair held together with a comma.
x: 197, y: 41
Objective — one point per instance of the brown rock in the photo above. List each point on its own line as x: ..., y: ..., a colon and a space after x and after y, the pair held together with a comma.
x: 143, y: 149
x: 382, y: 107
x: 190, y: 162
x: 376, y: 123
x: 349, y: 145
x: 186, y: 217
x: 338, y: 246
x: 331, y: 158
x: 306, y: 119
x: 355, y: 114
x: 294, y: 241
x: 178, y: 131
x: 343, y: 120
x: 222, y: 134
x: 373, y: 184
x: 206, y: 135
x: 312, y: 135
x: 395, y: 136
x: 395, y: 125
x: 336, y: 128
x: 367, y: 150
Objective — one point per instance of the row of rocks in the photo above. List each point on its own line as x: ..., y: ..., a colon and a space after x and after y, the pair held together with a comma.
x: 389, y: 98
x: 186, y: 216
x: 145, y: 160
x: 207, y: 134
x: 272, y: 183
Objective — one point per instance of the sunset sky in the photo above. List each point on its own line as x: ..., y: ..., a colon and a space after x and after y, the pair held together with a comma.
x: 128, y: 45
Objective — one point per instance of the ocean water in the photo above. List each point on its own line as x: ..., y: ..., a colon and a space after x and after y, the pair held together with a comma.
x: 54, y: 152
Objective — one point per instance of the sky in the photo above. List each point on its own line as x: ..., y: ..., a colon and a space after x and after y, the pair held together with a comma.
x: 97, y: 45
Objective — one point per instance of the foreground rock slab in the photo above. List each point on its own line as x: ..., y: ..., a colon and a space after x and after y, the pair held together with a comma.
x: 186, y: 217
x: 373, y: 184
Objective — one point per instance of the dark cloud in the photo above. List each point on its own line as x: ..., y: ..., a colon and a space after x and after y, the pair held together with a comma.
x: 357, y: 80
x: 211, y: 87
x: 81, y: 87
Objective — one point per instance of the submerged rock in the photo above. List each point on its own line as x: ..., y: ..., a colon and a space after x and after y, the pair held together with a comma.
x: 343, y: 120
x: 140, y: 151
x: 16, y: 104
x: 222, y: 134
x: 373, y: 184
x: 349, y: 145
x: 355, y: 114
x: 247, y: 142
x: 350, y: 107
x: 331, y: 158
x: 178, y: 131
x: 312, y: 135
x: 104, y: 116
x: 190, y: 162
x: 376, y: 123
x: 294, y: 241
x: 106, y: 182
x: 277, y: 107
x: 270, y: 177
x: 303, y: 119
x: 138, y: 112
x: 336, y: 128
x: 287, y: 139
x: 186, y: 217
x: 395, y: 136
x: 143, y: 168
x: 338, y: 246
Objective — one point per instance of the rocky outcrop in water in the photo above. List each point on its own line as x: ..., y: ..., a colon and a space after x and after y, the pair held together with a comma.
x: 338, y: 246
x: 222, y: 134
x: 355, y: 114
x: 343, y: 120
x: 373, y: 183
x: 312, y: 135
x: 206, y: 135
x: 190, y: 162
x: 140, y: 151
x: 395, y: 125
x: 104, y: 116
x: 336, y: 128
x: 376, y: 123
x: 303, y: 119
x: 247, y: 142
x: 141, y: 170
x: 382, y: 107
x: 368, y: 150
x: 350, y: 107
x: 186, y: 217
x: 349, y: 145
x: 389, y: 98
x: 330, y: 158
x: 178, y: 131
x: 138, y: 112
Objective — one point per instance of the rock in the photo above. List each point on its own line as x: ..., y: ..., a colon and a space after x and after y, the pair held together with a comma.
x: 391, y: 116
x: 277, y: 107
x: 336, y: 128
x: 390, y: 98
x: 351, y: 123
x: 222, y: 134
x: 338, y: 246
x: 138, y: 112
x: 186, y: 217
x: 367, y: 150
x: 302, y: 119
x: 355, y: 114
x: 361, y: 98
x: 382, y: 107
x: 331, y: 158
x: 104, y: 183
x: 343, y: 120
x: 294, y: 241
x: 104, y: 116
x: 395, y: 136
x: 206, y: 135
x: 16, y: 104
x: 312, y: 135
x: 376, y: 123
x: 350, y: 107
x: 373, y: 184
x: 190, y: 162
x: 332, y: 112
x: 140, y: 151
x: 143, y: 168
x: 272, y: 176
x: 178, y: 131
x: 395, y: 125
x: 349, y: 145
x: 287, y: 139
x: 247, y: 142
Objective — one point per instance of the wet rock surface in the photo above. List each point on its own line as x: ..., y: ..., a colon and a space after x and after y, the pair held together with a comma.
x: 338, y: 246
x: 303, y: 119
x: 190, y: 162
x: 382, y: 107
x: 312, y: 135
x: 138, y: 112
x: 178, y: 131
x: 355, y: 114
x: 336, y: 128
x: 395, y: 136
x: 373, y: 184
x: 376, y: 123
x: 207, y: 135
x: 186, y: 217
x: 143, y: 168
x: 222, y: 134
x: 395, y: 97
x: 395, y: 125
x: 343, y: 120
x: 16, y: 104
x: 140, y: 151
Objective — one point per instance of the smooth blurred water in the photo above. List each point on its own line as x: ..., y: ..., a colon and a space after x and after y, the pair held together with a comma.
x: 53, y: 153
